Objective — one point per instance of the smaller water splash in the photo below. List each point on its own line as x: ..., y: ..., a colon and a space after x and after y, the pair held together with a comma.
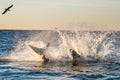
x: 23, y: 52
x: 64, y: 46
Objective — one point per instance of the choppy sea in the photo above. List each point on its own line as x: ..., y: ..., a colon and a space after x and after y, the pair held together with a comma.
x: 99, y: 55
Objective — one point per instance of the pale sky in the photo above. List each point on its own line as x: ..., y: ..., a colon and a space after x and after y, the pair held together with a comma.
x: 51, y: 14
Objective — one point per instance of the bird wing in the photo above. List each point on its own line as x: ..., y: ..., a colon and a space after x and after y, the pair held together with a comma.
x: 10, y: 6
x: 4, y: 11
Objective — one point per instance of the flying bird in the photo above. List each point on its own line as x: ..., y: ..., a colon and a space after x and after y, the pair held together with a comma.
x: 7, y: 9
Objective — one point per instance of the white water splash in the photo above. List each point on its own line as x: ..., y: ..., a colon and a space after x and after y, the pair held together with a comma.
x: 90, y: 45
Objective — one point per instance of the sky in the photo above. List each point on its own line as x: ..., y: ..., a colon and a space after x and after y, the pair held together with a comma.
x: 61, y: 14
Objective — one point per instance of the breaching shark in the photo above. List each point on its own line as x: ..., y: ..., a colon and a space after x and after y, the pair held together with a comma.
x: 40, y: 51
x: 75, y: 55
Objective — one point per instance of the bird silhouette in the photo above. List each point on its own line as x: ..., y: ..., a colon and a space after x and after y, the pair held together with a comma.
x: 7, y: 9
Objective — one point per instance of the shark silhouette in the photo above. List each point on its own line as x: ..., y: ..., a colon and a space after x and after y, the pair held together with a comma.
x: 40, y: 51
x: 75, y: 55
x: 7, y: 9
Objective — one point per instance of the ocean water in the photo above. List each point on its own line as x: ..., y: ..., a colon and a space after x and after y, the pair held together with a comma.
x: 99, y: 55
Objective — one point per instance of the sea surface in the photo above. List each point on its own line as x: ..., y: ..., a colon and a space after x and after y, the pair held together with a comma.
x: 99, y: 55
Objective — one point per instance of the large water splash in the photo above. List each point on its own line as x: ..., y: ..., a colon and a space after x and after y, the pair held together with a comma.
x: 90, y: 45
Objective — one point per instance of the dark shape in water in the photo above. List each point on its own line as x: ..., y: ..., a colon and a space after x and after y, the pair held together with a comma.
x: 40, y: 51
x: 7, y: 9
x: 75, y: 56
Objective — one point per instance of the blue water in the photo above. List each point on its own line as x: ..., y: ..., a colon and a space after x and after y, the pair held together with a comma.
x: 99, y: 51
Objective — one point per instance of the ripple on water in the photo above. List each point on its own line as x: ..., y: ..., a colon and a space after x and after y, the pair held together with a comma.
x: 27, y: 71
